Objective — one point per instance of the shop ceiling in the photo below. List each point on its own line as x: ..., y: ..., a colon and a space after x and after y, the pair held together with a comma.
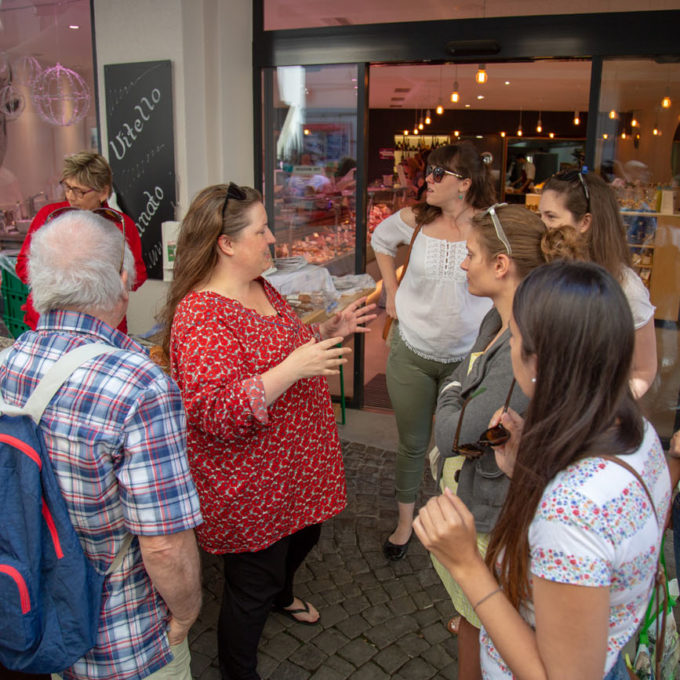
x: 45, y: 29
x: 288, y: 14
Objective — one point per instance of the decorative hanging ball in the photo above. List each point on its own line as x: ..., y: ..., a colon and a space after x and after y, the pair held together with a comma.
x: 26, y: 70
x: 12, y: 102
x: 61, y: 97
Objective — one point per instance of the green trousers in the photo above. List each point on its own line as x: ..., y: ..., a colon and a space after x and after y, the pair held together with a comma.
x: 413, y: 384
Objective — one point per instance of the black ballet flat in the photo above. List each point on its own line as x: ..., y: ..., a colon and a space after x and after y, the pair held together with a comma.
x: 395, y: 552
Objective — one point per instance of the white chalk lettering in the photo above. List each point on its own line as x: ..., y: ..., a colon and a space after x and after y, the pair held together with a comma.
x: 125, y: 137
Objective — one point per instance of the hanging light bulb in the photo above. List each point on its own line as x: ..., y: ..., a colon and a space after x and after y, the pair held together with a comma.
x: 612, y: 114
x: 605, y: 136
x: 539, y: 125
x: 405, y: 133
x: 656, y: 132
x: 439, y: 109
x: 481, y: 76
x: 428, y: 118
x: 666, y: 101
x: 623, y: 134
x: 456, y: 133
x: 415, y: 130
x: 455, y: 96
x: 551, y: 135
x: 577, y: 119
x: 502, y: 133
x: 519, y: 127
x: 634, y: 122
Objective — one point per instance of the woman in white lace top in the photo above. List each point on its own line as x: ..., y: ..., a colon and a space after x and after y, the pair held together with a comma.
x: 437, y: 318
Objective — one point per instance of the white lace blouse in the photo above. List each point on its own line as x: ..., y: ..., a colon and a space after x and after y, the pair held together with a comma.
x: 438, y: 317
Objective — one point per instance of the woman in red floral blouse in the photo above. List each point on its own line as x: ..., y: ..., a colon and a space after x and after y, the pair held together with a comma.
x: 262, y: 441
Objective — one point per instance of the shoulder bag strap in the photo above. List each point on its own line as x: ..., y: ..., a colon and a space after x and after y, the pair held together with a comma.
x: 661, y: 594
x: 389, y: 320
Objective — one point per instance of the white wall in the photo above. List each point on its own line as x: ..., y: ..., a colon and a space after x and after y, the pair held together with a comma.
x: 209, y: 44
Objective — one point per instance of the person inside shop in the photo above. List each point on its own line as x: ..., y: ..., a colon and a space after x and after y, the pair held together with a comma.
x: 424, y: 353
x: 566, y: 580
x: 262, y: 441
x: 504, y: 245
x: 87, y: 182
x: 585, y: 202
x: 527, y: 175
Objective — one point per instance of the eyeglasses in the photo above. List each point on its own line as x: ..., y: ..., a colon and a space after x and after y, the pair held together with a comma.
x: 493, y: 436
x: 500, y: 233
x: 75, y: 191
x: 233, y: 191
x: 438, y: 173
x: 107, y: 213
x: 570, y: 176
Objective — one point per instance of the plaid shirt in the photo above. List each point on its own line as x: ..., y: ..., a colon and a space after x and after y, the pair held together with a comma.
x: 116, y: 436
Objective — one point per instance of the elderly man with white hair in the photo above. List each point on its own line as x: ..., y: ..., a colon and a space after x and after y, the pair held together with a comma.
x: 115, y: 433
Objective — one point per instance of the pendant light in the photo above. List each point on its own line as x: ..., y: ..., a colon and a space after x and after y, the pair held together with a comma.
x: 428, y: 117
x: 612, y: 115
x: 634, y: 121
x: 455, y: 96
x: 440, y: 108
x: 666, y: 101
x: 481, y: 77
x: 577, y: 119
x: 539, y: 124
x: 519, y: 127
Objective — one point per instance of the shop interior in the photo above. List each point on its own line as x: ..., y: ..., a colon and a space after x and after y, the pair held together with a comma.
x: 538, y: 109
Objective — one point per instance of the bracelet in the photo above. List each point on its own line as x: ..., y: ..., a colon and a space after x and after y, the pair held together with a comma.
x: 486, y: 597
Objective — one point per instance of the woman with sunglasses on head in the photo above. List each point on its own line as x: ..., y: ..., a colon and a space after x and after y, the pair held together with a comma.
x: 573, y: 556
x: 437, y: 318
x: 261, y: 435
x: 586, y: 203
x: 87, y: 182
x: 506, y: 243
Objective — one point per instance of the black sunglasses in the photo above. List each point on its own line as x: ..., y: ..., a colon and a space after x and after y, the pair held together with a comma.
x: 107, y: 213
x: 493, y: 436
x: 233, y: 191
x: 438, y: 173
x: 570, y: 176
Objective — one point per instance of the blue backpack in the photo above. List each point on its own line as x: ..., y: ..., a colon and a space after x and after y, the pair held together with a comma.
x: 50, y: 594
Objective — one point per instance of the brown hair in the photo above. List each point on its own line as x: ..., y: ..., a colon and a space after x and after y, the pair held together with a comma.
x: 569, y: 316
x: 606, y: 237
x: 89, y: 169
x: 196, y: 254
x: 464, y: 159
x: 522, y: 228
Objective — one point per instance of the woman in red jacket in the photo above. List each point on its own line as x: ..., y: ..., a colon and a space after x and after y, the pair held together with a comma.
x: 86, y: 180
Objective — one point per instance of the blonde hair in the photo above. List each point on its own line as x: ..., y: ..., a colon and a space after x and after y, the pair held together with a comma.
x: 89, y: 169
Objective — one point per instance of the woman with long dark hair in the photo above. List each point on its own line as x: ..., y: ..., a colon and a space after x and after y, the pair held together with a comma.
x: 587, y: 203
x: 437, y: 318
x: 572, y: 558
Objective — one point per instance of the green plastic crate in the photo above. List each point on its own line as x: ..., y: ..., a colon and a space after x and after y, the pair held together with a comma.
x: 14, y: 294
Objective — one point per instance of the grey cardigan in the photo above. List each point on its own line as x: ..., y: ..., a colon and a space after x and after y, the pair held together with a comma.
x: 481, y: 485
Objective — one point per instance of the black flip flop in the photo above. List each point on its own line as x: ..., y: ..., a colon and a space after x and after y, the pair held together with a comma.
x: 290, y: 613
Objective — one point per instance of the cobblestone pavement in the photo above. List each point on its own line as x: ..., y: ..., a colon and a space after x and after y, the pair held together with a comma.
x: 378, y: 619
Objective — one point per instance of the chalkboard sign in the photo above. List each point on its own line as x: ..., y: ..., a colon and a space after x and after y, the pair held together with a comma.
x: 141, y: 149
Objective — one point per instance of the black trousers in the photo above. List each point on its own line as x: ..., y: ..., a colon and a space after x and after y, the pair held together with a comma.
x: 253, y: 583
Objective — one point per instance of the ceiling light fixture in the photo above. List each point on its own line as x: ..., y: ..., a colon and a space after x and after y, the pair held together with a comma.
x: 428, y: 117
x: 539, y: 124
x: 405, y: 133
x: 666, y: 101
x: 481, y: 77
x: 634, y: 122
x: 440, y: 108
x: 612, y: 114
x: 551, y: 135
x: 455, y: 96
x: 577, y: 119
x: 502, y: 133
x: 456, y: 133
x: 519, y: 127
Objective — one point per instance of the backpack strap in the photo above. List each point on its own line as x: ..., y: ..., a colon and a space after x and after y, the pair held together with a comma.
x: 118, y: 559
x: 57, y: 376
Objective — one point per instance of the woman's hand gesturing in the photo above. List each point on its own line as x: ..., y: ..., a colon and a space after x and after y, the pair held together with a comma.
x: 349, y: 320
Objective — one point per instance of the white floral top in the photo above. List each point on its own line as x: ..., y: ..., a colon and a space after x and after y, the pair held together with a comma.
x: 594, y: 527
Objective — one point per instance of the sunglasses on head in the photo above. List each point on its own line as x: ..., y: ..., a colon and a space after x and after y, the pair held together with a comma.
x: 572, y: 175
x: 107, y: 213
x: 500, y: 233
x: 233, y: 191
x: 438, y: 173
x: 493, y: 436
